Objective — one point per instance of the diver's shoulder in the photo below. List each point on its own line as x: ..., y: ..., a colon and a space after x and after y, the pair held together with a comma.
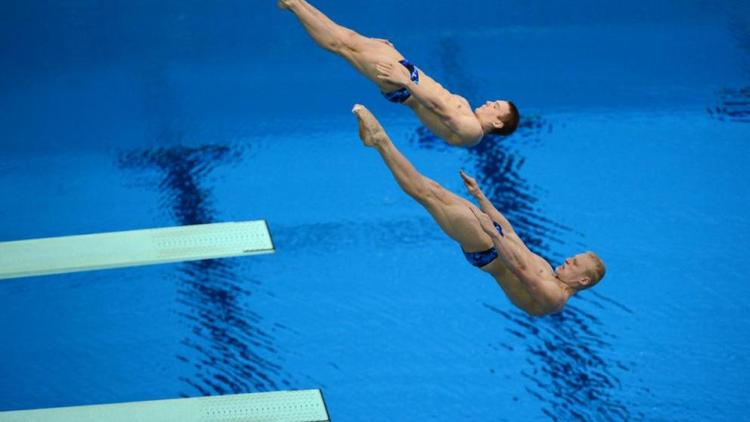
x: 467, y: 131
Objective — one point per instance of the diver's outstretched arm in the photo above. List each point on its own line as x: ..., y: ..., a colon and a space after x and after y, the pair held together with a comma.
x: 522, y: 263
x: 439, y: 101
x: 485, y: 203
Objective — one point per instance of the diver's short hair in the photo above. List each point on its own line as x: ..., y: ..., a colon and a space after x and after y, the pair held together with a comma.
x: 596, y: 274
x: 510, y: 121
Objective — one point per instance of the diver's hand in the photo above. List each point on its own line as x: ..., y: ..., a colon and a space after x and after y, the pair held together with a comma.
x: 394, y: 73
x: 485, y: 222
x: 472, y: 185
x: 385, y: 41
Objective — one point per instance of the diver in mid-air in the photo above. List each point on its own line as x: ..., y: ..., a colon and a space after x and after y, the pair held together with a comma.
x: 446, y: 114
x: 486, y: 237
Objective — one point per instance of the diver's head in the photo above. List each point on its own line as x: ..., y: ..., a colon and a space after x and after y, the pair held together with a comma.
x: 498, y: 117
x: 582, y: 271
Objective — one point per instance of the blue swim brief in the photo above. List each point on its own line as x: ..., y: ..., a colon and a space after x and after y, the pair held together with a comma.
x: 480, y: 259
x: 403, y: 94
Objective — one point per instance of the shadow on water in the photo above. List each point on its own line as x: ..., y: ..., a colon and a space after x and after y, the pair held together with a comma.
x: 567, y: 371
x: 228, y: 349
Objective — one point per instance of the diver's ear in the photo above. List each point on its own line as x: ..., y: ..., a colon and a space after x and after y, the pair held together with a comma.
x: 498, y: 124
x: 584, y: 281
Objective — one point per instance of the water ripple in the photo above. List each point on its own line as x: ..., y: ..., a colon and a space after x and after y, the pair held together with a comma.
x: 567, y: 370
x: 228, y: 350
x: 342, y: 235
x: 734, y: 105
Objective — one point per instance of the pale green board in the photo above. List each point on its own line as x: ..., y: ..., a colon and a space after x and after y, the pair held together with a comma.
x: 25, y: 258
x: 282, y: 406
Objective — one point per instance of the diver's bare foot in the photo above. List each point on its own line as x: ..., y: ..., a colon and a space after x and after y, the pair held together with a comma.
x: 371, y: 132
x: 286, y: 4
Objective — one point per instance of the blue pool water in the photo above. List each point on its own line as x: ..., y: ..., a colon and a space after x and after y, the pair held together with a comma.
x: 635, y: 140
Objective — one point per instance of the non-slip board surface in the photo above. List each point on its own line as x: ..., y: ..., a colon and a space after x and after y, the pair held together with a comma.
x: 282, y: 406
x: 25, y: 258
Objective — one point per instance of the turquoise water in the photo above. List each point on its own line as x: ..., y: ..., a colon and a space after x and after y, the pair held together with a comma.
x: 634, y: 144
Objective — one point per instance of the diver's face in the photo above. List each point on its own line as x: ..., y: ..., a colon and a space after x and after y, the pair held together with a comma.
x: 575, y: 267
x: 493, y: 107
x: 492, y: 111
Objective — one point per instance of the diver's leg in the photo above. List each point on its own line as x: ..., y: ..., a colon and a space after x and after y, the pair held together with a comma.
x: 450, y: 211
x: 362, y: 52
x: 327, y: 33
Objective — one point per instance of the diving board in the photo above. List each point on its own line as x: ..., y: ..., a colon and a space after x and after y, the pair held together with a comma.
x: 281, y: 406
x: 55, y: 255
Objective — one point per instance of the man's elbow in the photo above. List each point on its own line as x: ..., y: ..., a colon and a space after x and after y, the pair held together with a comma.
x: 554, y: 304
x: 535, y: 312
x: 548, y: 301
x: 522, y: 268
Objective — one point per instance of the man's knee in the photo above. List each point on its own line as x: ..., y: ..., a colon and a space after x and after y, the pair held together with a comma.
x: 428, y: 191
x: 347, y: 41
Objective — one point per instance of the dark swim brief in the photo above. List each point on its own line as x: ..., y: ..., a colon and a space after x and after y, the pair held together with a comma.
x: 403, y: 94
x: 480, y: 259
